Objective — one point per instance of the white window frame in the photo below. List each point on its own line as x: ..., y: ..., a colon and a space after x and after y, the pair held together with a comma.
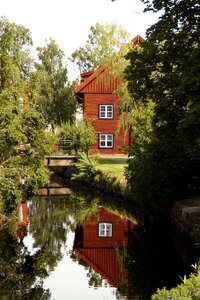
x: 106, y: 111
x: 105, y: 139
x: 105, y: 229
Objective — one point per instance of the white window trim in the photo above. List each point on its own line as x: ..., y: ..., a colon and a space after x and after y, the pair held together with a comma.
x: 106, y: 140
x: 106, y: 111
x: 105, y: 229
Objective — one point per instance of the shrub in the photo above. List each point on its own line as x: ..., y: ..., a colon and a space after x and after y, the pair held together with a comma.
x: 189, y: 289
x: 81, y: 135
x: 87, y: 166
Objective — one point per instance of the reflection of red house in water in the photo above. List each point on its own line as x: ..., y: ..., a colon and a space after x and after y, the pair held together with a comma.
x: 22, y: 227
x: 96, y: 242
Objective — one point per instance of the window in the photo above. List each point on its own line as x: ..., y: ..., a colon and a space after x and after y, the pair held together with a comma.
x: 105, y: 229
x: 106, y: 141
x: 105, y: 111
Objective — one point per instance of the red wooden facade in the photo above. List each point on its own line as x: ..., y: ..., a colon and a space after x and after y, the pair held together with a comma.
x: 100, y: 106
x: 99, y: 252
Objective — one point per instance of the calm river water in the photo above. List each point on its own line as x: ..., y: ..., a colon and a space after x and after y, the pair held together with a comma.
x: 76, y: 248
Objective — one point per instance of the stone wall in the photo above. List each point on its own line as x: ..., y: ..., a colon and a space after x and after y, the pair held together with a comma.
x: 185, y: 216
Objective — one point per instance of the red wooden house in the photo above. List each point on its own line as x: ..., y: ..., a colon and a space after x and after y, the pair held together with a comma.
x: 96, y: 242
x: 100, y: 106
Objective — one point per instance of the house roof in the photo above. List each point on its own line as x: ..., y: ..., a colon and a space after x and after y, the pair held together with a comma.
x: 91, y: 75
x: 137, y: 39
x: 89, y: 79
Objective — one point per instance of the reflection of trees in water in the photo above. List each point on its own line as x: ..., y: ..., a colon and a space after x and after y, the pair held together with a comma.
x: 21, y: 274
x: 52, y: 218
x: 94, y: 279
x: 49, y: 224
x: 149, y: 258
x: 151, y: 263
x: 85, y: 208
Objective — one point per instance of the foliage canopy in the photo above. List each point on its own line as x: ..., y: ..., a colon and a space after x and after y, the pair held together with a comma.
x: 55, y: 97
x: 104, y: 41
x: 166, y: 70
x: 23, y: 140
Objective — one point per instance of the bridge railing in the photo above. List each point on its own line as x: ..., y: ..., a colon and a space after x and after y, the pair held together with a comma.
x: 68, y: 147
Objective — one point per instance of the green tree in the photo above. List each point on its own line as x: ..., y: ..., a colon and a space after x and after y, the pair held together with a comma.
x: 103, y: 42
x: 23, y: 148
x: 166, y: 69
x: 23, y: 140
x: 15, y: 61
x: 55, y: 97
x: 81, y: 135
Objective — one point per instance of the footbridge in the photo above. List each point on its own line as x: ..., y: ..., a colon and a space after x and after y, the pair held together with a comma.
x: 64, y: 153
x: 60, y: 160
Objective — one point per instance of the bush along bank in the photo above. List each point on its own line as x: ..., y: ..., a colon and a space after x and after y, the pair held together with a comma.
x: 88, y: 174
x: 85, y: 175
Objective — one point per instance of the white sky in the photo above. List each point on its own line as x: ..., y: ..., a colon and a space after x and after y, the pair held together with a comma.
x: 69, y: 21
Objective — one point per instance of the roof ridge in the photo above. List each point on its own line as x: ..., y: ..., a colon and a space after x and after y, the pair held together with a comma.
x: 89, y: 79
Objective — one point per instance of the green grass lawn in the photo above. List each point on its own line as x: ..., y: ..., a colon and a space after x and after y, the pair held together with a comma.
x: 112, y: 165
